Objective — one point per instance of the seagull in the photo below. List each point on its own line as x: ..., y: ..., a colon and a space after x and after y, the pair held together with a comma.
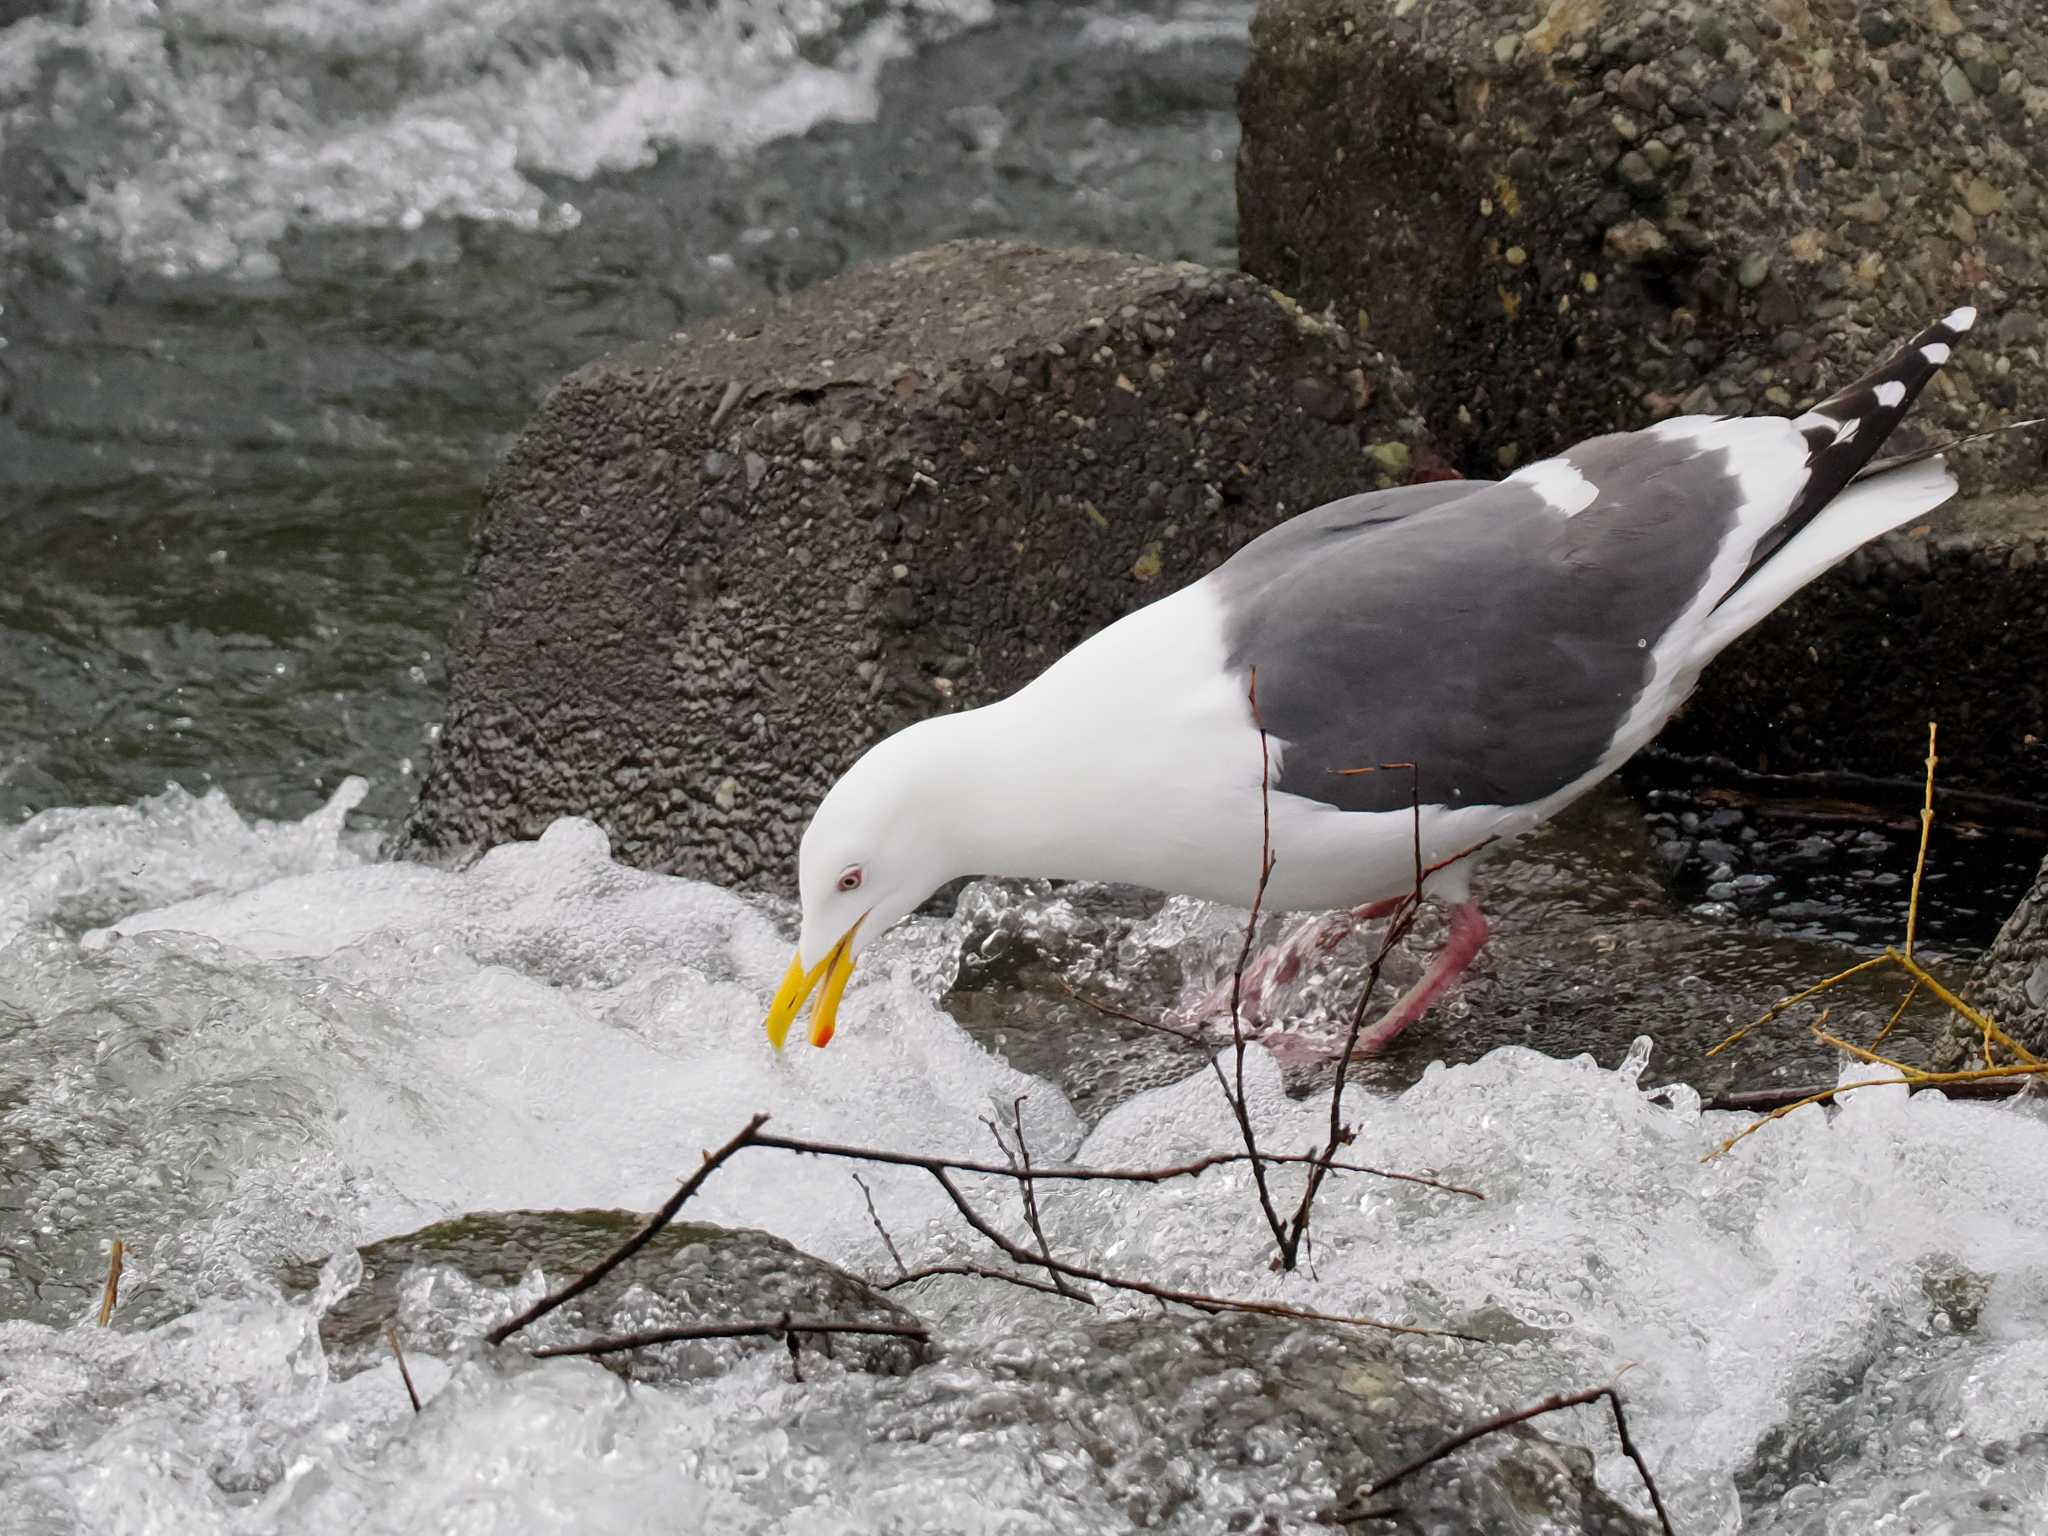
x: 1515, y: 641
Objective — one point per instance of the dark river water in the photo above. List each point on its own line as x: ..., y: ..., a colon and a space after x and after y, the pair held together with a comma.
x: 276, y: 288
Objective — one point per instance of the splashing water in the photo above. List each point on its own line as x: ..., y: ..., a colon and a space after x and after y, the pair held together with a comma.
x: 276, y: 1049
x: 193, y: 138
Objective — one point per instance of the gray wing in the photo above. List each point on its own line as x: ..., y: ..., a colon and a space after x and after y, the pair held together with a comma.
x: 1275, y: 550
x: 1497, y: 643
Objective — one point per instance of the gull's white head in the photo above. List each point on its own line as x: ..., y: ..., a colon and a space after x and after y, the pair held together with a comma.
x: 881, y: 842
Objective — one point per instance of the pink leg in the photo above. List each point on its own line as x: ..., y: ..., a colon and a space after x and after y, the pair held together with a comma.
x: 1279, y: 963
x: 1467, y: 938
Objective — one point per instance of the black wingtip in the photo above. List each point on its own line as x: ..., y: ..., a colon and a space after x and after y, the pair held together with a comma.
x: 1845, y: 431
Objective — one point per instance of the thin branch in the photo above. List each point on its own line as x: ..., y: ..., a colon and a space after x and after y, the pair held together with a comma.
x: 1238, y: 1107
x: 979, y: 1272
x: 1397, y: 930
x: 1796, y: 998
x: 875, y: 1216
x: 111, y: 1296
x: 1898, y: 1013
x: 633, y: 1244
x: 1756, y: 1100
x: 1499, y: 1422
x: 404, y: 1375
x: 784, y: 1327
x: 1184, y: 1036
x: 1078, y: 1174
x: 1029, y: 1191
x: 1926, y: 829
x: 1200, y: 1303
x: 1917, y: 1080
x: 1984, y: 1023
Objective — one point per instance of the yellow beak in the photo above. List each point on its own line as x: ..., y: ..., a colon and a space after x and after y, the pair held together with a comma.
x: 835, y: 968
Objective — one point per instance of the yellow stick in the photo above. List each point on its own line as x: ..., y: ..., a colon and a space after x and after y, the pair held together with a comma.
x: 1898, y: 1013
x: 112, y: 1294
x: 1782, y: 1004
x: 1861, y: 1054
x: 1920, y: 864
x: 1991, y: 1031
x: 1920, y: 1080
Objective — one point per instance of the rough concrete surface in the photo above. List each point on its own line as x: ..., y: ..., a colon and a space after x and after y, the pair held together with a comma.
x: 1944, y: 621
x: 1579, y: 216
x: 713, y: 570
x: 2011, y: 982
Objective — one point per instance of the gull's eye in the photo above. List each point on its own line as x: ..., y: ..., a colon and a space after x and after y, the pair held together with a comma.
x: 849, y: 880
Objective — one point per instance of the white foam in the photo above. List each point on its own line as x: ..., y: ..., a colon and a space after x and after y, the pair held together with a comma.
x: 252, y: 1075
x: 73, y: 867
x: 1730, y: 1283
x: 219, y: 125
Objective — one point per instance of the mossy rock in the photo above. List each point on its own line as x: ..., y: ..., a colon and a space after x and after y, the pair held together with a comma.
x: 690, y: 1273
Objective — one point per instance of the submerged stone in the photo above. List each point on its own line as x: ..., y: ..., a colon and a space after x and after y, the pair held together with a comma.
x: 691, y: 1272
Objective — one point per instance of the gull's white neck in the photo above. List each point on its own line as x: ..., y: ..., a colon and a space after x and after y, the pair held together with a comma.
x: 1131, y: 759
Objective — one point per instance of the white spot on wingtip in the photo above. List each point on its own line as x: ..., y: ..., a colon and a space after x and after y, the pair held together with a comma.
x: 1936, y: 352
x: 1962, y: 319
x: 1890, y: 393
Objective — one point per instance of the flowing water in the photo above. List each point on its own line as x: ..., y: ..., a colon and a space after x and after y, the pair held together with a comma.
x: 277, y: 280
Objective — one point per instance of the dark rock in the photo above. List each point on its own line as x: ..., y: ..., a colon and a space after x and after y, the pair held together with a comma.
x: 1149, y: 419
x: 2011, y: 984
x: 1337, y: 1411
x: 690, y: 1273
x: 1385, y: 168
x: 1943, y: 621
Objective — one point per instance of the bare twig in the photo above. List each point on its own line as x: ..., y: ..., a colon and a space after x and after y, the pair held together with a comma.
x: 1912, y: 1079
x: 1398, y: 929
x: 1070, y: 1173
x: 1990, y: 1030
x: 783, y: 1327
x: 1236, y: 1100
x: 631, y: 1245
x: 977, y: 1272
x: 1184, y: 1036
x: 111, y: 1296
x: 1029, y: 1190
x: 1783, y: 1003
x: 1926, y: 829
x: 1757, y: 1100
x: 404, y: 1375
x: 1499, y: 1422
x: 1019, y: 1254
x: 875, y: 1216
x: 1898, y: 1013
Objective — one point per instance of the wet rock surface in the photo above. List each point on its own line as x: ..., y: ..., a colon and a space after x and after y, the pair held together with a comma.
x: 1946, y: 621
x: 2011, y: 983
x: 441, y: 1286
x: 1597, y: 939
x: 713, y: 570
x: 1834, y: 868
x: 1572, y: 218
x: 1338, y: 1410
